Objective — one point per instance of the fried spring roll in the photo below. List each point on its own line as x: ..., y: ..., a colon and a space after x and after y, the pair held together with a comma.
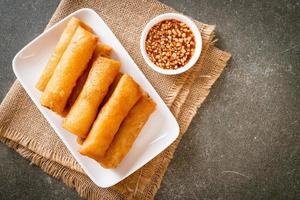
x: 108, y: 121
x: 128, y: 132
x: 60, y: 48
x: 112, y: 87
x: 80, y: 140
x: 76, y: 90
x: 70, y: 67
x: 102, y: 50
x: 85, y: 109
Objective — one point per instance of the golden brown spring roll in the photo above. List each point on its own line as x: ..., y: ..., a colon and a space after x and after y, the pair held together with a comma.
x: 128, y: 132
x: 126, y: 94
x: 80, y: 140
x: 60, y: 48
x: 102, y: 50
x: 107, y: 96
x: 85, y: 109
x: 70, y: 67
x: 76, y: 90
x: 112, y: 87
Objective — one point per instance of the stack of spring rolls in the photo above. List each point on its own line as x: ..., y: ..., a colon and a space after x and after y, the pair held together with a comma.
x: 104, y: 108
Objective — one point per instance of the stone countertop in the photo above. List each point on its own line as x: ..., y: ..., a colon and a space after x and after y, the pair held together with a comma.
x: 244, y: 141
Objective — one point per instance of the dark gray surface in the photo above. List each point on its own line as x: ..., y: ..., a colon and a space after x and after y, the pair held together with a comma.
x: 244, y: 141
x: 20, y: 22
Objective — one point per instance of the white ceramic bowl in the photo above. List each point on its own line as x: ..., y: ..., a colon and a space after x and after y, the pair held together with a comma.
x: 190, y: 24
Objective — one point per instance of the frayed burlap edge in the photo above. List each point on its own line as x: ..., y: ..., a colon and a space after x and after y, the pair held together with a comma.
x: 190, y: 107
x: 13, y: 135
x: 70, y: 177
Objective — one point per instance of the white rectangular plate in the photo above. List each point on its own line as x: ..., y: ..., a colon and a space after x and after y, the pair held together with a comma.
x: 158, y: 133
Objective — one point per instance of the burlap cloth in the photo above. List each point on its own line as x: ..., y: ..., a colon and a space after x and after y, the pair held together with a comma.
x: 23, y: 128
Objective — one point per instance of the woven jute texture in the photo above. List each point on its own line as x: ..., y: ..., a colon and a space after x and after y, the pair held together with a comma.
x: 23, y: 128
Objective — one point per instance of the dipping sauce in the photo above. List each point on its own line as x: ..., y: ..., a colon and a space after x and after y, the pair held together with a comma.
x: 170, y: 44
